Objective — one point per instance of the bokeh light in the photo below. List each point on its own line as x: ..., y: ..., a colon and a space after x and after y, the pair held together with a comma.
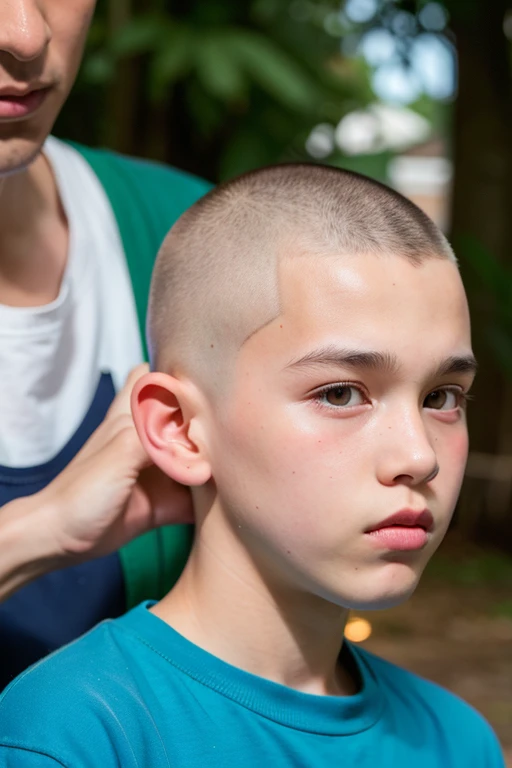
x: 358, y: 630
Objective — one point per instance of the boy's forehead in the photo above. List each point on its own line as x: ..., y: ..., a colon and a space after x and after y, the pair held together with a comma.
x: 370, y: 301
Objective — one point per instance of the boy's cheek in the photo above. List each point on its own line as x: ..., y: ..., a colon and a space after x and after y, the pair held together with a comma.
x: 452, y: 457
x: 455, y: 451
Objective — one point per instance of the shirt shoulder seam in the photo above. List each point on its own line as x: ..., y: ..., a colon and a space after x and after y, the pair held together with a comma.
x: 33, y: 750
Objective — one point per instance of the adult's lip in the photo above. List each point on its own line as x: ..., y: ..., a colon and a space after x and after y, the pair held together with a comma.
x: 19, y: 92
x: 18, y: 103
x: 408, y: 518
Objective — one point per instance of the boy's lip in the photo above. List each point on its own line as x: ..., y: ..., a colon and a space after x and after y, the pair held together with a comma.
x: 408, y: 518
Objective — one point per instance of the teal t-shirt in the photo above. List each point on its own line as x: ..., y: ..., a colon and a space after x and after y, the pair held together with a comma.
x: 135, y: 693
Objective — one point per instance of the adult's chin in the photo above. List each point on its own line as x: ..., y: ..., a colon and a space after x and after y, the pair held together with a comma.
x: 17, y: 154
x: 21, y: 140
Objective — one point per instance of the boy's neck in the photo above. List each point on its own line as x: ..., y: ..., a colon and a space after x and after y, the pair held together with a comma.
x: 223, y: 604
x: 33, y: 236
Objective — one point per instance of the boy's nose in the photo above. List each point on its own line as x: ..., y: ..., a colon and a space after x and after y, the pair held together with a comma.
x: 24, y: 31
x: 407, y: 455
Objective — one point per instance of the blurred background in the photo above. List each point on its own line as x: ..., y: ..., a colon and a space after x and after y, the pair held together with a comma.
x: 418, y: 95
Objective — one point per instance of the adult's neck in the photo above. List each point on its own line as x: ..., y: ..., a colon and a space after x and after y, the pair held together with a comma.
x: 33, y: 236
x: 225, y: 605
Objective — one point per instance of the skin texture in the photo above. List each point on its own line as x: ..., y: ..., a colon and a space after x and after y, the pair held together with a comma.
x: 41, y: 44
x: 286, y: 484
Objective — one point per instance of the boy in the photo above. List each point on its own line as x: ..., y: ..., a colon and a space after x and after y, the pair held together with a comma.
x: 312, y: 337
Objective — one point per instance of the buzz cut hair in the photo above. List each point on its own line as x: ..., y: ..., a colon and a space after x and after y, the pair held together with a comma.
x: 215, y: 281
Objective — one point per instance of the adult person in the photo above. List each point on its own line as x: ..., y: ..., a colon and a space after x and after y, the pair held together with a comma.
x: 78, y: 230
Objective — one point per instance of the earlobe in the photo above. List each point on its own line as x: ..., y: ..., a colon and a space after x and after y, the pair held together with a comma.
x: 163, y: 411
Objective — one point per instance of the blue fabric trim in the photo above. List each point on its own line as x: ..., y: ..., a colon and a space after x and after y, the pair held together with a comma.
x: 33, y: 479
x: 60, y: 606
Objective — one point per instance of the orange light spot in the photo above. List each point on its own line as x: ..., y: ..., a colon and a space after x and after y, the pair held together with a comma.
x: 358, y: 630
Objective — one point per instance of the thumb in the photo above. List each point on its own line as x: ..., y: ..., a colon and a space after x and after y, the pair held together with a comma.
x: 121, y: 403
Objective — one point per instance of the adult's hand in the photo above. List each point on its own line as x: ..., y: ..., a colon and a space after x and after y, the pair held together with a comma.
x: 108, y: 494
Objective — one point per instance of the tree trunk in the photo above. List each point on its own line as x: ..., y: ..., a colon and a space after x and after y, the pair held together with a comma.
x: 482, y: 211
x: 121, y: 107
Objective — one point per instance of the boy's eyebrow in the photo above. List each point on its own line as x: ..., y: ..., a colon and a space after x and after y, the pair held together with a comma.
x: 353, y: 358
x: 371, y: 360
x: 457, y: 364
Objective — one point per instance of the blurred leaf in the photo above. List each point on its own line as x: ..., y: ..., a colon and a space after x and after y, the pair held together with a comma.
x: 275, y: 71
x: 246, y: 151
x: 172, y: 61
x: 375, y: 165
x: 142, y: 34
x: 218, y: 68
x: 206, y: 113
x: 99, y: 68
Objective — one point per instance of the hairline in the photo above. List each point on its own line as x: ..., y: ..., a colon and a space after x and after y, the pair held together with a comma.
x: 414, y: 262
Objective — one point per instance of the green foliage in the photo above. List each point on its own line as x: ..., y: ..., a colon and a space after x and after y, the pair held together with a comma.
x: 503, y: 609
x: 374, y: 165
x: 276, y: 72
x: 491, y: 284
x: 215, y: 86
x: 485, y: 569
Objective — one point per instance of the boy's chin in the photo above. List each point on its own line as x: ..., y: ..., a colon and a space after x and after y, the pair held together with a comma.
x: 373, y: 593
x: 381, y: 602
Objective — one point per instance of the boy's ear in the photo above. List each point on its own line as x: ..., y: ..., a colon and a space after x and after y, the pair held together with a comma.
x: 165, y: 412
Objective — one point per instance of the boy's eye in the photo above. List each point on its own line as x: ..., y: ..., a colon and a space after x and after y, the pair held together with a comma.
x: 443, y: 399
x: 341, y: 395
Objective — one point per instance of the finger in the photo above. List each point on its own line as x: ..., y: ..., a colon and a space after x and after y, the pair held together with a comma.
x: 121, y: 403
x: 125, y: 449
x: 155, y: 504
x: 118, y: 417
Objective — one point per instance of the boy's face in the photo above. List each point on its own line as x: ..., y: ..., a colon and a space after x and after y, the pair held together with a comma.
x: 345, y: 410
x: 41, y: 43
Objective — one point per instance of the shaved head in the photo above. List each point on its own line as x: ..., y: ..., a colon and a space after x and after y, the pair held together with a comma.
x: 216, y: 278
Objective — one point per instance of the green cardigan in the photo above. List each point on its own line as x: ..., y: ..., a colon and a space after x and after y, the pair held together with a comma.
x: 147, y: 198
